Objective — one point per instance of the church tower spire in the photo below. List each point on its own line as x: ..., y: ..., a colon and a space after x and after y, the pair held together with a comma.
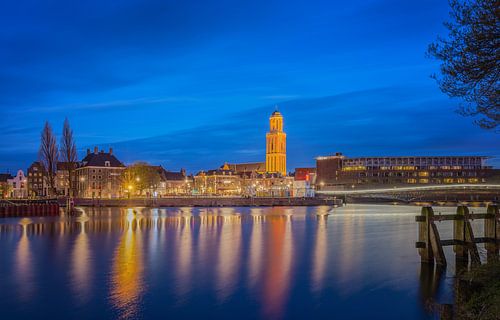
x: 276, y: 145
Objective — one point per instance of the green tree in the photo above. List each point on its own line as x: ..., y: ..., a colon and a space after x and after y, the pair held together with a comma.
x: 140, y: 177
x: 470, y: 59
x: 5, y: 190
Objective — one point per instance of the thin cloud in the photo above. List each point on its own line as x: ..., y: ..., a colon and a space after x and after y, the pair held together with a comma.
x: 110, y: 104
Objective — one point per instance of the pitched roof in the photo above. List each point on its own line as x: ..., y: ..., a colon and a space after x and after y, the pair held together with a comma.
x: 5, y: 176
x: 99, y: 160
x: 170, y: 175
x: 248, y: 167
x: 216, y: 172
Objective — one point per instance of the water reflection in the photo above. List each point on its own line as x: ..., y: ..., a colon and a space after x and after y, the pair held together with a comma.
x: 430, y: 282
x: 256, y: 251
x: 81, y: 272
x: 199, y: 262
x: 127, y: 283
x: 320, y: 254
x: 184, y: 252
x: 278, y: 264
x: 24, y: 263
x: 351, y: 243
x: 228, y: 256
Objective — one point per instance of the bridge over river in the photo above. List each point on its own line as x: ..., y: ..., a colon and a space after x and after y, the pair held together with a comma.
x: 453, y: 192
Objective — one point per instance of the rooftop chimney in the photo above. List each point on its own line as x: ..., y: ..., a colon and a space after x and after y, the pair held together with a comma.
x: 96, y: 150
x: 110, y: 151
x: 88, y: 151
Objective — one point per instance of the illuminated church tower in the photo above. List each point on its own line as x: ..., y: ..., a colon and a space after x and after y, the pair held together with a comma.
x: 276, y: 145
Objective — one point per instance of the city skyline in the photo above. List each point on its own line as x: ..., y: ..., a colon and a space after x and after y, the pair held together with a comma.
x: 266, y: 159
x: 192, y: 85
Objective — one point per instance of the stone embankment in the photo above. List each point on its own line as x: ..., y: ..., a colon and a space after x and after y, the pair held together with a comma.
x: 207, y: 202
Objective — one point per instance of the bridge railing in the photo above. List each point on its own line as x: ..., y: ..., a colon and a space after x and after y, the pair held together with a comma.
x: 406, y: 188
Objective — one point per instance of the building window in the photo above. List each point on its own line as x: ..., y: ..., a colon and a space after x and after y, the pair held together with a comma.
x: 107, y: 164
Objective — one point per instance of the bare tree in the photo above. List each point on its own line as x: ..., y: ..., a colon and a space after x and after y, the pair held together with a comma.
x: 49, y: 155
x: 69, y: 155
x: 470, y: 59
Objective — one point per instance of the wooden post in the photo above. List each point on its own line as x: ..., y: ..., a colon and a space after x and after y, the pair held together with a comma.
x: 426, y: 255
x: 471, y: 244
x: 436, y: 246
x: 468, y: 236
x: 491, y: 232
x: 459, y: 233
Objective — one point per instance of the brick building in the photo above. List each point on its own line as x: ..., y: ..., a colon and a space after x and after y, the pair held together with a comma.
x: 99, y: 175
x: 338, y: 171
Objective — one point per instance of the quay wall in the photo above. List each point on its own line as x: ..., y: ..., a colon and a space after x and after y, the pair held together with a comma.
x: 206, y: 202
x: 9, y: 209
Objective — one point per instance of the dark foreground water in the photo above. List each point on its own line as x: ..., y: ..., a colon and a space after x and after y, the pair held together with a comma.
x: 354, y: 262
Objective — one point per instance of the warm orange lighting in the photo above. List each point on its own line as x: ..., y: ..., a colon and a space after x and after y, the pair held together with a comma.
x: 127, y: 280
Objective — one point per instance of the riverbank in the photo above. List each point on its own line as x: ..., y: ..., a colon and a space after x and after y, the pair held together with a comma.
x: 478, y: 293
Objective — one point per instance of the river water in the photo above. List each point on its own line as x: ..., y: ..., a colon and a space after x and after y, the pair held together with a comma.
x: 352, y: 262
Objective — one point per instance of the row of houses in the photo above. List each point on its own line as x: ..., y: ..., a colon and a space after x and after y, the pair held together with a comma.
x: 251, y: 180
x: 101, y: 174
x: 98, y: 175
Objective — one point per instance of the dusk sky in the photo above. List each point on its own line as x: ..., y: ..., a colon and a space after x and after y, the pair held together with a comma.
x: 192, y: 83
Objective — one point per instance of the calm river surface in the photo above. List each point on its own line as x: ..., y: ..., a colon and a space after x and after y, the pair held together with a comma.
x: 353, y: 262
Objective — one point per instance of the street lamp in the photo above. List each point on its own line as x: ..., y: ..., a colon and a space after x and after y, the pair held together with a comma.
x: 129, y: 187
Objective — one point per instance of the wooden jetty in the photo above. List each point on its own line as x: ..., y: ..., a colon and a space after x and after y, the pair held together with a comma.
x: 430, y: 245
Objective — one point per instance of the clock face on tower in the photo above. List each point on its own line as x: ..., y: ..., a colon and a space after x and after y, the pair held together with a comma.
x: 276, y: 145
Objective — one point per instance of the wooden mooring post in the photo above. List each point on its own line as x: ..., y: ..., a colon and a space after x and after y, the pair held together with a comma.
x: 430, y: 245
x: 492, y: 231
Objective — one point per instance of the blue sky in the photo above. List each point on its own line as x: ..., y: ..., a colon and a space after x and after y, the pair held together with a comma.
x: 192, y: 83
